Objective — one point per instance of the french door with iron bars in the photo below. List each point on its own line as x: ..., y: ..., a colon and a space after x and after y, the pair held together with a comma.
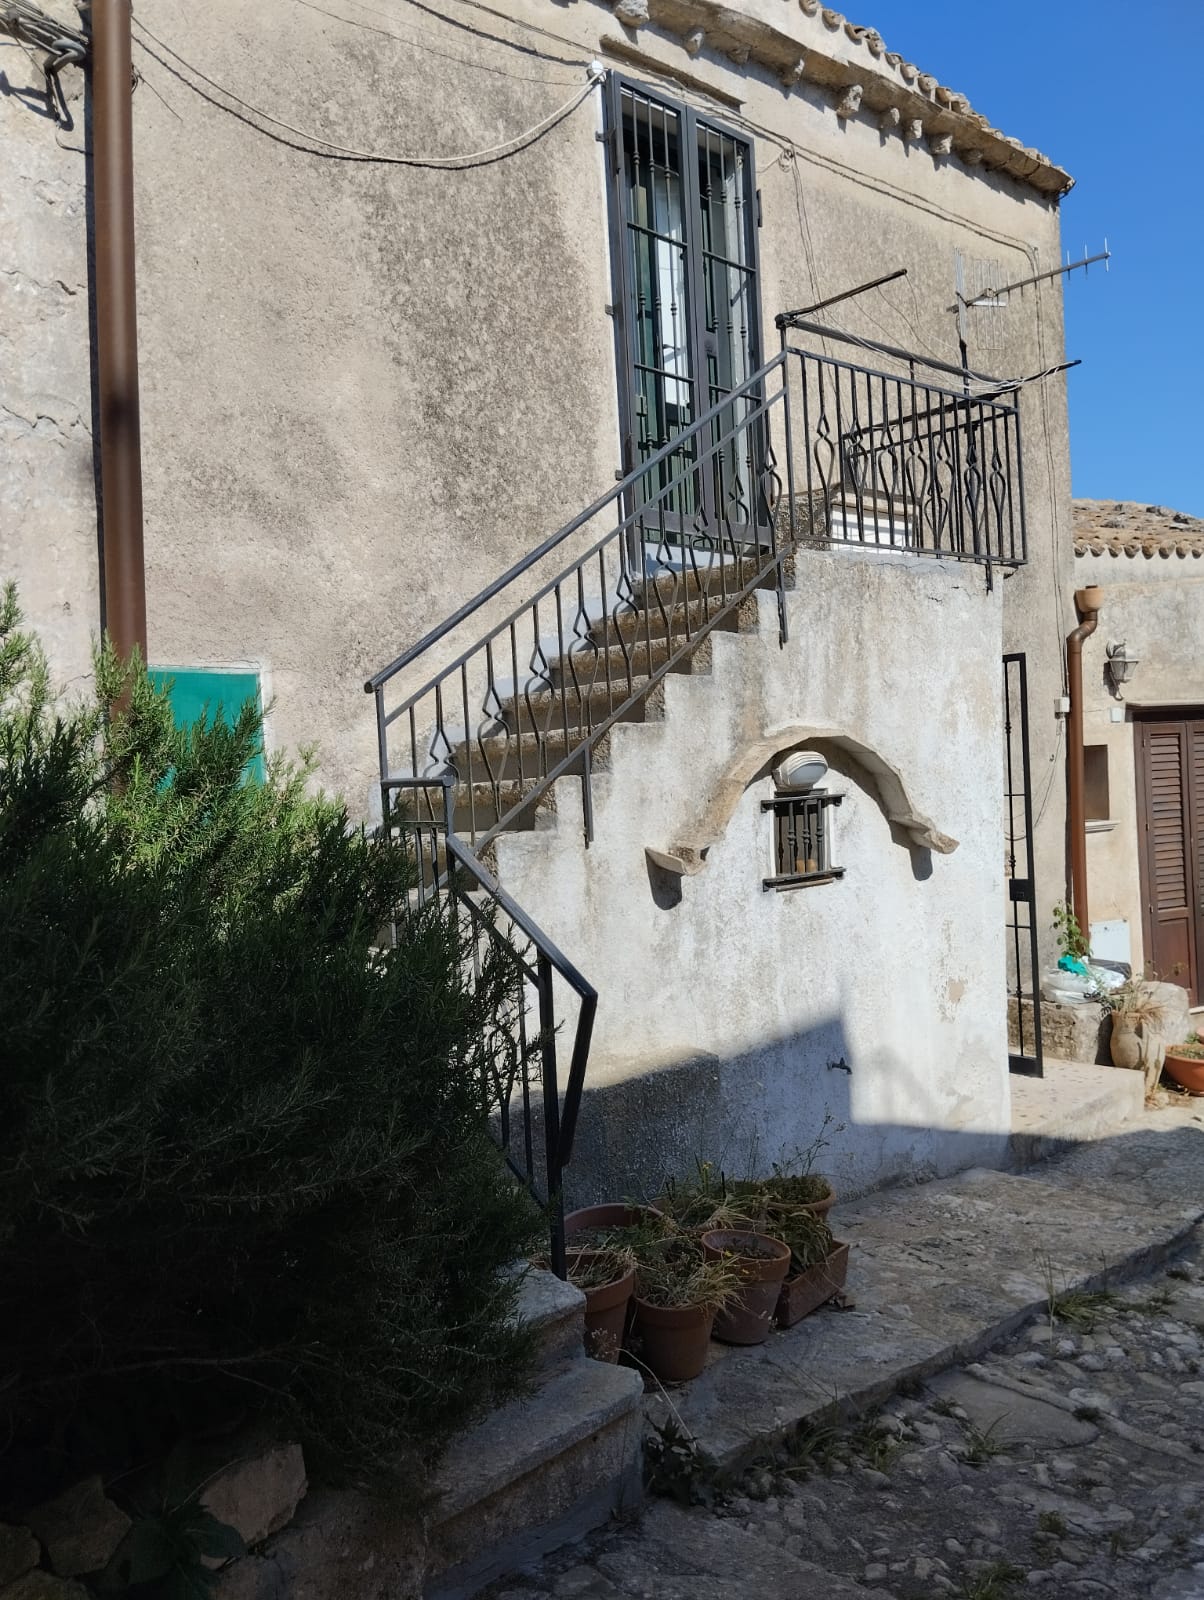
x: 1024, y: 992
x: 683, y: 208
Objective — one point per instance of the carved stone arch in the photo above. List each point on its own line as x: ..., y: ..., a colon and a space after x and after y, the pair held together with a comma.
x: 688, y: 855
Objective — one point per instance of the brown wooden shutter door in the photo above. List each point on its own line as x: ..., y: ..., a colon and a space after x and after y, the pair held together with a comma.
x: 1195, y: 808
x: 1172, y: 828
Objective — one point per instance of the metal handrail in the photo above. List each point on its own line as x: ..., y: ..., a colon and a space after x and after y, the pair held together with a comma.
x: 559, y: 1116
x: 678, y: 481
x: 533, y: 557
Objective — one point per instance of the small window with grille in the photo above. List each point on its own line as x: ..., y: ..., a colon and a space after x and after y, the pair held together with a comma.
x: 802, y: 838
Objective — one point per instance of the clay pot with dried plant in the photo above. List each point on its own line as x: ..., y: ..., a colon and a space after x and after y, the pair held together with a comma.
x: 1185, y: 1063
x: 606, y: 1277
x: 593, y: 1224
x: 1133, y: 1008
x: 806, y: 1191
x: 818, y: 1263
x: 678, y: 1292
x: 761, y: 1264
x: 702, y: 1202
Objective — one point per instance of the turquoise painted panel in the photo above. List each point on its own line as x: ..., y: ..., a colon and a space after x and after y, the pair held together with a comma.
x: 196, y: 692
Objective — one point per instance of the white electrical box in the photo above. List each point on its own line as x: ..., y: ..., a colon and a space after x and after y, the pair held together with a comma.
x: 1110, y: 941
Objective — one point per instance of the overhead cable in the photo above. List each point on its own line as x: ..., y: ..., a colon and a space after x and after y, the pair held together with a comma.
x: 478, y: 158
x: 446, y: 55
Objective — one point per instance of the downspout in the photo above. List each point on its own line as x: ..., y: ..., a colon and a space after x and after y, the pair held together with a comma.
x: 117, y: 327
x: 1088, y: 603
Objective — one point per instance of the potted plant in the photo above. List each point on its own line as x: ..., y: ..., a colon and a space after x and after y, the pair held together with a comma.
x: 819, y: 1263
x: 692, y: 1205
x: 761, y: 1264
x: 1132, y: 1006
x: 1185, y: 1063
x: 808, y: 1191
x: 703, y: 1202
x: 606, y: 1276
x: 596, y: 1222
x: 677, y: 1294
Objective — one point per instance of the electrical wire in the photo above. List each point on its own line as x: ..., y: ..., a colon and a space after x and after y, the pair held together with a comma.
x: 910, y: 324
x: 446, y: 55
x: 478, y: 158
x: 527, y: 27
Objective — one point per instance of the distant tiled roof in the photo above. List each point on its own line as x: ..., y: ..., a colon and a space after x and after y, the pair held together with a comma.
x: 1121, y: 527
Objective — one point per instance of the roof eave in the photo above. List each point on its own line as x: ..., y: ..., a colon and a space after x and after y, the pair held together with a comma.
x: 805, y: 43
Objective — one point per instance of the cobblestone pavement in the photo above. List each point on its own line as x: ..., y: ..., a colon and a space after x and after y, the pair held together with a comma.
x: 1068, y: 1462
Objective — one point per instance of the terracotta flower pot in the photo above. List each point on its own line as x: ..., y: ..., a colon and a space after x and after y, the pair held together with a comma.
x: 673, y: 1339
x: 606, y: 1311
x: 806, y: 1291
x: 606, y: 1216
x: 1124, y: 1045
x: 762, y: 1263
x: 822, y: 1207
x: 1187, y: 1071
x: 601, y: 1220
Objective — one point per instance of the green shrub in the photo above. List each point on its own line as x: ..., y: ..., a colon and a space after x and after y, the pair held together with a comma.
x: 244, y: 1170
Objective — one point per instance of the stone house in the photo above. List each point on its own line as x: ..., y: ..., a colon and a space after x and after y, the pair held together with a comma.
x: 1143, y: 716
x: 435, y: 296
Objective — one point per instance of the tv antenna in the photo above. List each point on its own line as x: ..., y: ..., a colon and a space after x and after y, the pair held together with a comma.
x: 995, y: 297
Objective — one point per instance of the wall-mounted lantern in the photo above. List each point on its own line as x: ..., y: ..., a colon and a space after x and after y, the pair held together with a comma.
x: 1121, y: 663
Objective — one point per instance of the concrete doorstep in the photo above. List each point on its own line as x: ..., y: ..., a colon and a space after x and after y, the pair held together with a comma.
x: 941, y: 1273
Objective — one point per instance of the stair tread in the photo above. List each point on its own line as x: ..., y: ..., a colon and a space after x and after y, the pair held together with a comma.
x: 555, y: 1310
x: 568, y: 1405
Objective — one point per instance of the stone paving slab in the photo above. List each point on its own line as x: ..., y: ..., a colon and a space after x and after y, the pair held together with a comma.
x: 1160, y: 1162
x: 681, y: 1556
x: 942, y: 1273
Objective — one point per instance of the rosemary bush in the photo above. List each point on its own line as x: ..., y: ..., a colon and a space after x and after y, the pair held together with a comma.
x: 244, y: 1171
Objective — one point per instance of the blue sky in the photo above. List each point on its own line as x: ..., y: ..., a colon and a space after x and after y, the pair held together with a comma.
x: 1108, y: 90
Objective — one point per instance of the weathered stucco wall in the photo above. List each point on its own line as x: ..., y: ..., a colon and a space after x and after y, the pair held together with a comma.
x: 368, y: 388
x: 1155, y: 604
x: 732, y: 1020
x: 47, y: 496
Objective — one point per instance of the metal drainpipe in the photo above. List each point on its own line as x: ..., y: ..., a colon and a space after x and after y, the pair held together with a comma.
x: 1087, y: 602
x: 117, y: 327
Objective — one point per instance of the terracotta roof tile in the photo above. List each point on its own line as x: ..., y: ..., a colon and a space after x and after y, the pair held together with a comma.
x: 1122, y: 527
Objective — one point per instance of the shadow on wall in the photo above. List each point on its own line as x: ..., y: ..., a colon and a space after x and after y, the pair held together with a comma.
x: 645, y: 1121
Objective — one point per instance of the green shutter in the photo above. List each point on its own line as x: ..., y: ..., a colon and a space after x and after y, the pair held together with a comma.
x: 197, y: 692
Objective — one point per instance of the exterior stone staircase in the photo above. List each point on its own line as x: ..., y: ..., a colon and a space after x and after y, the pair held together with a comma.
x: 541, y: 724
x: 544, y: 1469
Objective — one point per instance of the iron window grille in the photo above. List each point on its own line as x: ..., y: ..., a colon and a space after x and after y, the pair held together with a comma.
x: 802, y: 839
x: 683, y: 223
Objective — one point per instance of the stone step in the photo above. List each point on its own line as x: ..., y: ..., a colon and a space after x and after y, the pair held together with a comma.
x: 588, y: 701
x: 556, y: 1310
x: 724, y: 575
x: 1073, y: 1102
x: 534, y: 1475
x: 524, y: 758
x: 479, y: 806
x: 672, y: 612
x: 627, y: 662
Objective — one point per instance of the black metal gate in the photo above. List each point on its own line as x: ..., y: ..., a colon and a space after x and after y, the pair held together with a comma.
x: 1024, y: 993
